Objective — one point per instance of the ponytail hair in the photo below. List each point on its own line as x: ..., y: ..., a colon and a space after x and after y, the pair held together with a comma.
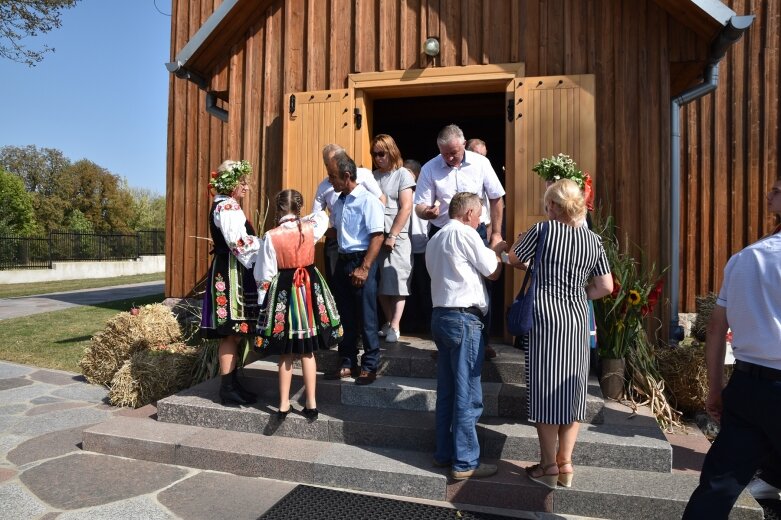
x: 290, y: 202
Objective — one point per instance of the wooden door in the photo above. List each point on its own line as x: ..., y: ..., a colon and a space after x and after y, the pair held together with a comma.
x: 313, y: 120
x: 545, y: 116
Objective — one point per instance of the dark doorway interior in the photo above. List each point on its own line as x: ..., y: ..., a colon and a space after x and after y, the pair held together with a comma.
x: 414, y: 124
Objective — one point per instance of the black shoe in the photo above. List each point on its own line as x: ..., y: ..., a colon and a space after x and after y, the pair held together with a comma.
x: 248, y: 396
x: 229, y: 395
x: 283, y: 415
x: 310, y: 413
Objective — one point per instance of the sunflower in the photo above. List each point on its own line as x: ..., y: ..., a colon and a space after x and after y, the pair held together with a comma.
x: 634, y: 297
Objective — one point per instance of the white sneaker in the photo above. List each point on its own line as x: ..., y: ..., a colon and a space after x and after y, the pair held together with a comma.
x: 760, y: 489
x: 393, y: 336
x: 384, y: 330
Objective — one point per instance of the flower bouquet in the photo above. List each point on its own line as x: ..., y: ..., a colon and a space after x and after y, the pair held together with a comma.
x: 561, y: 166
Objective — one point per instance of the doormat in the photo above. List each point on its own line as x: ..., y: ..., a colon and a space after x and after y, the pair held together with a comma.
x: 328, y: 504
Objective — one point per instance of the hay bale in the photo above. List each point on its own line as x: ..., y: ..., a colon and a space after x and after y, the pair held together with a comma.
x: 125, y: 334
x: 704, y: 306
x: 152, y: 374
x: 684, y: 373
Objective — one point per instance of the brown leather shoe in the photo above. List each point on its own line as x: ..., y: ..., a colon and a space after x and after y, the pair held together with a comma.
x: 366, y: 378
x: 343, y: 373
x: 490, y: 353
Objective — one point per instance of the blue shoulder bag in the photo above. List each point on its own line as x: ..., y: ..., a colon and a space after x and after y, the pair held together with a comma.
x: 520, y: 315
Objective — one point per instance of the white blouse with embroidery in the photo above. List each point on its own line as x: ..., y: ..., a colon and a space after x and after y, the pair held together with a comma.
x: 266, y: 264
x: 230, y: 219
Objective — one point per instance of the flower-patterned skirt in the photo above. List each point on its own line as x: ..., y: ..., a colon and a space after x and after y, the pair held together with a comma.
x: 230, y: 302
x: 299, y: 314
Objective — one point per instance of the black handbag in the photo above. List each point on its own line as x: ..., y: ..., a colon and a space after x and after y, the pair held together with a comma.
x: 520, y: 315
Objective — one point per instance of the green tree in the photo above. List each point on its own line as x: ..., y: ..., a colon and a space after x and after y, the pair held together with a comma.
x: 103, y: 198
x: 78, y: 223
x: 43, y: 171
x: 20, y: 19
x: 148, y: 209
x: 16, y: 211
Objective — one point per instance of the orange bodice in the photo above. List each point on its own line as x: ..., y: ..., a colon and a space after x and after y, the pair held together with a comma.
x: 293, y: 248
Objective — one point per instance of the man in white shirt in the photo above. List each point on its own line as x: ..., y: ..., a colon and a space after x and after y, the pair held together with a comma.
x: 749, y: 408
x: 458, y: 260
x: 325, y: 197
x: 456, y: 170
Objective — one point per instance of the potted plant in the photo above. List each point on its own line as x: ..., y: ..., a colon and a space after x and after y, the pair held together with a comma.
x: 622, y: 316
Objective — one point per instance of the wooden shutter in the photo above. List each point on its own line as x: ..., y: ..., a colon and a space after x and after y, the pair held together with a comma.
x: 313, y: 120
x: 553, y: 115
x: 545, y: 116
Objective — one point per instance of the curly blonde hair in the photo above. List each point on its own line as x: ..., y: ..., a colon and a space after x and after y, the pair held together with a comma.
x: 566, y: 194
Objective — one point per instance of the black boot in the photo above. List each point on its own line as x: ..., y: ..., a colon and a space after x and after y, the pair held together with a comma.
x: 228, y: 393
x: 243, y: 392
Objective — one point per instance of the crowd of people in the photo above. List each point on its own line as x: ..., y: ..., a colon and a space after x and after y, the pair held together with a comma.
x: 436, y: 232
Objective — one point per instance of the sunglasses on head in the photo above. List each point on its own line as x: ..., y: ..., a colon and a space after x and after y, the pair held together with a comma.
x: 379, y: 154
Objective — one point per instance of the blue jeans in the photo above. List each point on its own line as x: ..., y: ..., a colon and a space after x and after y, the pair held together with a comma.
x: 459, y: 339
x: 750, y: 432
x: 358, y: 309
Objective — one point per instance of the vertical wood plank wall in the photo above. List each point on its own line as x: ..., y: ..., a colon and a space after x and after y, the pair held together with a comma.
x: 627, y: 44
x: 729, y: 152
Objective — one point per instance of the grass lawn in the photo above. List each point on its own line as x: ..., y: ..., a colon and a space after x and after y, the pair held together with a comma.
x: 57, y: 339
x: 30, y: 289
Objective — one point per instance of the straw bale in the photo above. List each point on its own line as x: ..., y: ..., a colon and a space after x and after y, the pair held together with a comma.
x: 152, y: 374
x: 125, y: 334
x: 704, y: 306
x: 685, y: 376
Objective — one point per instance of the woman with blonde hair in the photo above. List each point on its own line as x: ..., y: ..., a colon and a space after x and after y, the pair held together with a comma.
x: 395, y: 260
x: 573, y: 269
x: 230, y: 302
x: 298, y: 315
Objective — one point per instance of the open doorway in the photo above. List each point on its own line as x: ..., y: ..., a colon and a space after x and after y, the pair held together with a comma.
x: 414, y: 123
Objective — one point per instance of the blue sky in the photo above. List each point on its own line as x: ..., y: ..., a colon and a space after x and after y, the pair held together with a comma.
x: 102, y: 95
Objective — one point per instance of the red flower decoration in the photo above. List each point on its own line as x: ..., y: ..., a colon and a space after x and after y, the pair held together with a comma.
x: 588, y: 192
x: 244, y: 328
x: 653, y: 297
x: 221, y: 300
x: 214, y: 175
x: 616, y: 287
x: 240, y: 243
x: 278, y: 327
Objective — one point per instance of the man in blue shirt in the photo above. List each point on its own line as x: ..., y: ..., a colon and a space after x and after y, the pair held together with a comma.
x: 359, y: 219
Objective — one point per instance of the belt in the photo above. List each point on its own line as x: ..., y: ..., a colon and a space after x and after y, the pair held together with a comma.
x: 473, y: 310
x: 758, y: 371
x: 352, y: 256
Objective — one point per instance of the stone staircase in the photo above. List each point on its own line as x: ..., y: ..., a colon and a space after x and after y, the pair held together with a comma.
x: 380, y: 439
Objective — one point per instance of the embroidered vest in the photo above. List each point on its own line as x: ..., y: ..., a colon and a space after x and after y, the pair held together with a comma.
x: 294, y: 248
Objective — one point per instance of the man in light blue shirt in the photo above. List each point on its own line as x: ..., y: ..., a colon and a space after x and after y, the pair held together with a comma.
x: 359, y: 220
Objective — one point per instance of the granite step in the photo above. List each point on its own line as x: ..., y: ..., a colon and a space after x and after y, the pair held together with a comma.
x: 596, y: 492
x: 397, y: 392
x: 621, y: 441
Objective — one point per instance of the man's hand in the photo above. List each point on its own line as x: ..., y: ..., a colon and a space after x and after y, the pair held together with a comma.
x: 430, y: 213
x: 389, y: 243
x: 714, y: 405
x: 359, y: 275
x: 496, y: 238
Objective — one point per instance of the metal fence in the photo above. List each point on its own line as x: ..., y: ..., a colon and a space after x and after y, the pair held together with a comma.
x: 39, y: 252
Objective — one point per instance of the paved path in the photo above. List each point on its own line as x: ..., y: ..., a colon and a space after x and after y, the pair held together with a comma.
x: 28, y: 305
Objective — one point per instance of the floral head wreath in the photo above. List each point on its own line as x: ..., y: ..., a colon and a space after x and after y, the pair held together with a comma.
x: 560, y: 167
x: 225, y: 179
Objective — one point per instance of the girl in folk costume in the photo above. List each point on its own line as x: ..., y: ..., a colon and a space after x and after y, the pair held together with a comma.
x: 298, y: 315
x: 230, y: 303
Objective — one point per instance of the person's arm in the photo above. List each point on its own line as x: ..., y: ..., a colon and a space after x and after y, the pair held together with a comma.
x: 497, y: 213
x: 427, y: 212
x: 265, y: 267
x: 715, y: 349
x: 230, y: 219
x: 599, y: 286
x: 498, y: 271
x: 361, y: 273
x: 402, y: 217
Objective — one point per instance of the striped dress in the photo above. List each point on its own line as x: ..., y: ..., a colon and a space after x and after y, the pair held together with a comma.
x: 557, y: 358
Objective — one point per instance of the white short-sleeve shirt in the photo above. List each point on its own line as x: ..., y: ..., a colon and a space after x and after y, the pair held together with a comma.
x: 457, y: 260
x: 440, y: 182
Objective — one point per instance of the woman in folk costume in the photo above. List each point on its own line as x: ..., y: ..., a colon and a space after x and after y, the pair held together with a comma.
x: 230, y: 303
x: 298, y: 314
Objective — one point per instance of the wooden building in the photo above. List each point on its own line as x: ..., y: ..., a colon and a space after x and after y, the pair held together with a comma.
x: 272, y: 81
